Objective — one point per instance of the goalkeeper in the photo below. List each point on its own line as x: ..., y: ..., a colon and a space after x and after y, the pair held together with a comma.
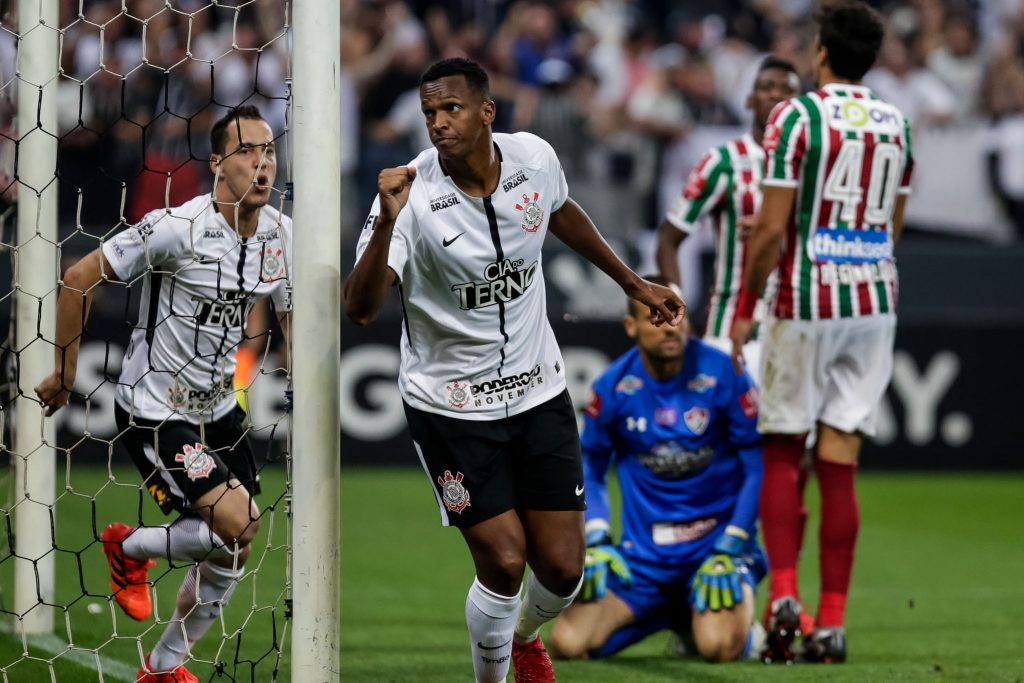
x: 680, y: 425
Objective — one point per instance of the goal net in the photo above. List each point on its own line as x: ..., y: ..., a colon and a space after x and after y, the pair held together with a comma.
x: 105, y: 115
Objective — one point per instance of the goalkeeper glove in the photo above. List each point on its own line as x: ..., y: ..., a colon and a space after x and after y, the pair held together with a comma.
x: 602, y: 555
x: 718, y: 584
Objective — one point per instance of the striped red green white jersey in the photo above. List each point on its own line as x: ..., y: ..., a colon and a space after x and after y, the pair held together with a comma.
x: 848, y: 154
x: 725, y: 185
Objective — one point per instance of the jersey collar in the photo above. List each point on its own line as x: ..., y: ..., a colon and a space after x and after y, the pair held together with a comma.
x: 831, y: 88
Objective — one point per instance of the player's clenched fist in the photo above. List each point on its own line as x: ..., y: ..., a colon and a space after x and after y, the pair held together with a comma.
x: 393, y: 186
x: 54, y: 392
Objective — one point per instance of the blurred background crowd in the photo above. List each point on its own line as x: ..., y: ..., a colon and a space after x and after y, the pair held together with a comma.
x: 629, y: 92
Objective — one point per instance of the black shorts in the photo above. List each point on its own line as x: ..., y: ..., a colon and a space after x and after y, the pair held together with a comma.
x: 480, y: 469
x: 188, y: 466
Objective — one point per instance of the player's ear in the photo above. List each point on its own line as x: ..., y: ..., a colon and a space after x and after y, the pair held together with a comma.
x: 215, y: 160
x: 488, y: 111
x: 629, y: 322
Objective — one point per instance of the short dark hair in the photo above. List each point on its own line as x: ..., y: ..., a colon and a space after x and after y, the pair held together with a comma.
x: 852, y: 33
x: 219, y: 132
x: 474, y: 74
x: 773, y: 62
x: 632, y: 305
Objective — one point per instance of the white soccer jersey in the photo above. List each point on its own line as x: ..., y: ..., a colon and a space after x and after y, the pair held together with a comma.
x: 476, y: 342
x: 199, y: 280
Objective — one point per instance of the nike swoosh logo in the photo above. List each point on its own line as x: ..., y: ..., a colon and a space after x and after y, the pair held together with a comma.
x: 448, y: 243
x: 579, y: 490
x: 496, y: 647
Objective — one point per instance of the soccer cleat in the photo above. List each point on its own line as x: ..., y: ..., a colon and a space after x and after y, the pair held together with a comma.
x: 530, y: 662
x: 177, y: 675
x: 128, y: 577
x: 825, y: 646
x: 783, y: 629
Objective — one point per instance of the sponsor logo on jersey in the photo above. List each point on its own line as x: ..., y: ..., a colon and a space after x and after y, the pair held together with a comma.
x: 842, y: 245
x: 197, y: 462
x: 266, y: 235
x: 160, y: 494
x: 682, y: 532
x: 444, y: 202
x: 213, y: 234
x: 593, y: 408
x: 370, y: 223
x: 180, y: 396
x: 636, y: 424
x: 696, y: 419
x: 748, y: 402
x: 702, y: 383
x: 855, y: 273
x: 695, y: 184
x: 501, y: 389
x: 533, y: 214
x: 504, y: 281
x: 666, y: 417
x: 453, y: 493
x: 866, y: 115
x: 513, y: 181
x: 669, y: 460
x: 629, y: 385
x: 273, y: 264
x: 458, y: 394
x: 231, y: 311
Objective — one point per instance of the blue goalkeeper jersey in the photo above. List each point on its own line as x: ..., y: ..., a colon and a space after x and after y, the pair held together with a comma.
x: 686, y: 450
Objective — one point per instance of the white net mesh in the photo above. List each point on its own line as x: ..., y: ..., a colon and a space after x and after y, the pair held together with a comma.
x: 139, y: 85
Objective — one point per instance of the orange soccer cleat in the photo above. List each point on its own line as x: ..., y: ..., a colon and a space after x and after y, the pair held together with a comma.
x: 128, y: 577
x: 530, y: 662
x: 177, y: 675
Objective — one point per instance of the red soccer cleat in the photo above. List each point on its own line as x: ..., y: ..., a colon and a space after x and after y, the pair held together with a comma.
x: 128, y: 577
x: 530, y: 662
x: 178, y: 675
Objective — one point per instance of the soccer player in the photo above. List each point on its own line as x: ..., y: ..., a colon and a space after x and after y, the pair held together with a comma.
x: 838, y: 174
x: 459, y: 230
x: 201, y: 267
x: 681, y: 426
x: 726, y: 185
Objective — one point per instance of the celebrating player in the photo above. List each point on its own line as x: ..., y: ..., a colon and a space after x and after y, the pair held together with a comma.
x: 460, y: 231
x: 682, y: 428
x: 202, y: 265
x: 726, y: 185
x: 838, y: 173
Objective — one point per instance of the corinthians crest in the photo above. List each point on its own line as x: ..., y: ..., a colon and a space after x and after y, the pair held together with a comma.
x: 458, y: 394
x: 533, y: 215
x: 273, y: 264
x: 198, y: 463
x: 454, y: 494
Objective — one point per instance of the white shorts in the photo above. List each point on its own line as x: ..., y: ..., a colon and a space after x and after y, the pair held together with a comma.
x: 751, y: 354
x: 829, y: 371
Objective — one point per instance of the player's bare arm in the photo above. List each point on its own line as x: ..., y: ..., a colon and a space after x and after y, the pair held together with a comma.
x: 573, y: 226
x: 72, y: 311
x: 897, y: 217
x: 669, y: 239
x: 367, y: 286
x: 765, y: 241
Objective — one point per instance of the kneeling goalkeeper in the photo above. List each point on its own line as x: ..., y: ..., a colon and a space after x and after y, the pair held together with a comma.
x: 680, y: 425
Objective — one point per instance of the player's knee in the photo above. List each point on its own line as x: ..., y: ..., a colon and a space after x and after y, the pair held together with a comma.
x: 567, y: 641
x: 236, y: 529
x: 508, y: 564
x: 722, y: 645
x: 563, y: 577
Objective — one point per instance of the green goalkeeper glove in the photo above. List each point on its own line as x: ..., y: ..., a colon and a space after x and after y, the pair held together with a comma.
x: 601, y: 556
x: 718, y: 584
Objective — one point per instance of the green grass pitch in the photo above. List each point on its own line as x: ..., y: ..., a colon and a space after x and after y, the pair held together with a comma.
x: 937, y: 591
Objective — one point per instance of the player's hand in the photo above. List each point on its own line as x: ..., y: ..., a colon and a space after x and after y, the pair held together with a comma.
x: 55, y: 391
x: 601, y: 557
x: 742, y: 328
x: 746, y: 226
x: 718, y: 584
x: 665, y: 303
x: 393, y: 185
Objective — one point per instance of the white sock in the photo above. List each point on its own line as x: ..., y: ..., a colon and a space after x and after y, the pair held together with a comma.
x: 540, y: 606
x: 188, y: 538
x: 491, y: 619
x: 206, y: 589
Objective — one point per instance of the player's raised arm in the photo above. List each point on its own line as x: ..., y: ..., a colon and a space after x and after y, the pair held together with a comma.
x: 72, y: 311
x: 367, y: 286
x: 573, y: 226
